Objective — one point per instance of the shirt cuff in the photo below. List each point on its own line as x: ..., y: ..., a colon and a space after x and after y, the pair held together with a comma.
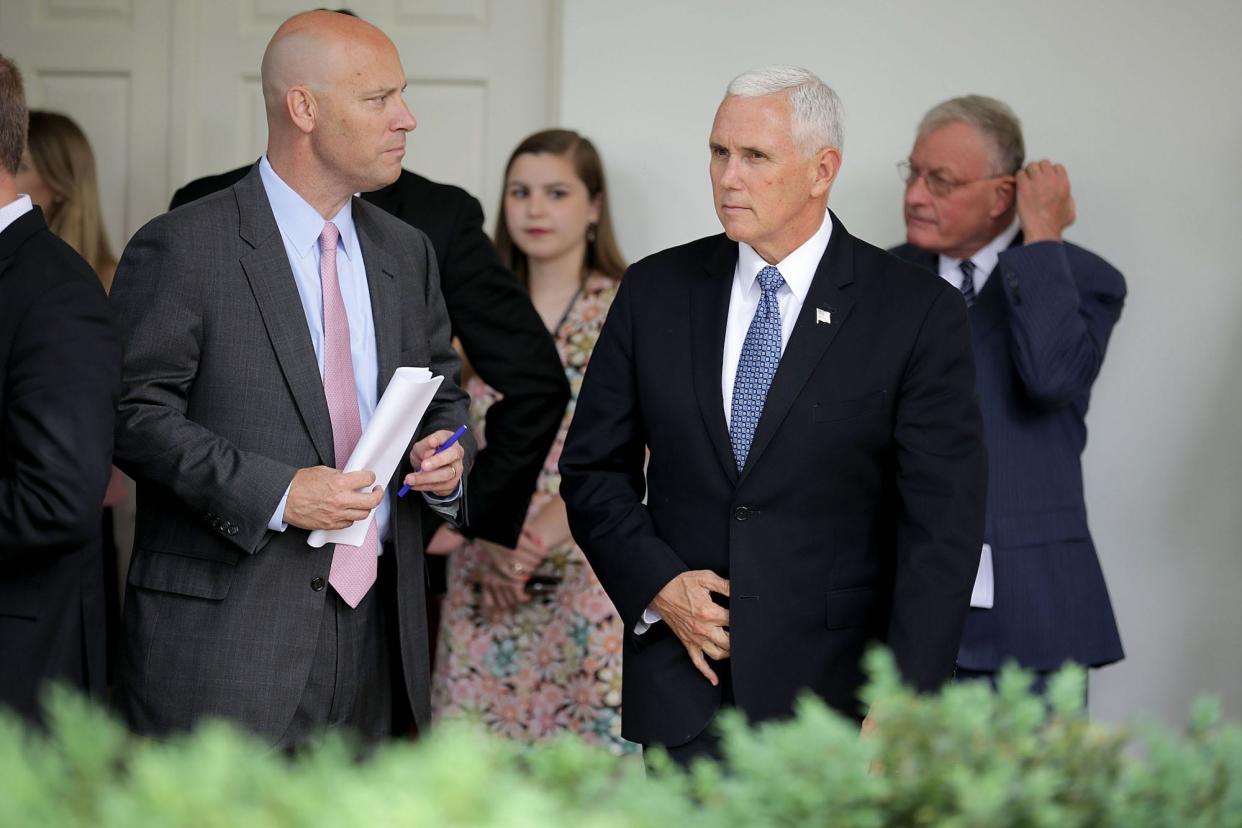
x: 277, y: 523
x: 446, y: 507
x: 650, y: 617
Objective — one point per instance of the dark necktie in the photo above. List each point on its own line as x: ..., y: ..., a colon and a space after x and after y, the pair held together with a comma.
x: 761, y: 354
x: 968, y: 281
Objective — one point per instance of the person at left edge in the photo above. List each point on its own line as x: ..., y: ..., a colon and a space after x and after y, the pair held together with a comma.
x: 58, y: 173
x: 261, y: 325
x: 60, y: 377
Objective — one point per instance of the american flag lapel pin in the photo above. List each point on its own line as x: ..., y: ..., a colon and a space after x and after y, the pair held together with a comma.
x: 823, y: 316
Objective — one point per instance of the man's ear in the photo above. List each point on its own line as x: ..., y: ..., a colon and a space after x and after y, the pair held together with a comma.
x: 1003, y: 197
x: 302, y: 107
x: 827, y: 165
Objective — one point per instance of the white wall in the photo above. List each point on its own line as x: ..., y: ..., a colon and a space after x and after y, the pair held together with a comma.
x: 1141, y: 101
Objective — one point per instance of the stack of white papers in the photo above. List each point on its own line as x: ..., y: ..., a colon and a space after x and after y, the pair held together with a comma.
x: 384, y: 443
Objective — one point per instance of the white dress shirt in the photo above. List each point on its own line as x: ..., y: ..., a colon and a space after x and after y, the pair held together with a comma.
x: 798, y: 270
x: 985, y: 260
x: 300, y: 227
x: 14, y: 210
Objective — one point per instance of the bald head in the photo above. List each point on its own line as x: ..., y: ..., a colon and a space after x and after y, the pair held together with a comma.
x: 313, y: 49
x: 336, y: 121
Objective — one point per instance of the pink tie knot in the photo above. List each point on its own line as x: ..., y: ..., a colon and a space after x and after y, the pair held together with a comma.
x: 328, y: 238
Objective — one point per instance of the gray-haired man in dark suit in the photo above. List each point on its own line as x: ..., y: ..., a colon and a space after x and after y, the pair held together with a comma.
x: 1041, y: 313
x: 261, y: 326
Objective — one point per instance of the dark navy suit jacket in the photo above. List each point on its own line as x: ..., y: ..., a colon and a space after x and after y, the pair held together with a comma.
x: 60, y: 377
x: 1040, y: 327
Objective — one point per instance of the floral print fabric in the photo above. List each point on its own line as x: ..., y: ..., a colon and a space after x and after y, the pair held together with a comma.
x: 552, y: 664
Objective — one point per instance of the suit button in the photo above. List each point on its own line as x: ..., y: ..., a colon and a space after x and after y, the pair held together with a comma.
x: 232, y: 530
x: 317, y: 584
x: 742, y: 513
x: 1013, y: 287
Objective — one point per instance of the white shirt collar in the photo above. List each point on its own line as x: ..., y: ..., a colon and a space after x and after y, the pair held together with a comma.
x: 985, y: 258
x: 14, y: 210
x: 798, y: 268
x: 301, y: 223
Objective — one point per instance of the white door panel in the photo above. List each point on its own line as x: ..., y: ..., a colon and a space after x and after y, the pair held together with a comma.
x: 105, y: 64
x: 480, y: 78
x: 169, y: 91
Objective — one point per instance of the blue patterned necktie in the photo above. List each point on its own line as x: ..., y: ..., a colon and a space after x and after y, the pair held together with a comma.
x: 968, y: 281
x: 761, y: 353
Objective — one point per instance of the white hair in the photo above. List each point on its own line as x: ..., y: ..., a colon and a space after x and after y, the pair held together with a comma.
x: 816, y: 108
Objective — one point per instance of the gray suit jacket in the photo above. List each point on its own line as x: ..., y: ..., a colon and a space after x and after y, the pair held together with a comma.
x: 222, y: 403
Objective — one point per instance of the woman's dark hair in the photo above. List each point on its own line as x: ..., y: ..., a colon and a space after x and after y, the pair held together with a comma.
x: 602, y: 254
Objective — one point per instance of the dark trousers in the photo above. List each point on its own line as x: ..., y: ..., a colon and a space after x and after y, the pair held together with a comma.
x: 113, y: 628
x: 356, y: 681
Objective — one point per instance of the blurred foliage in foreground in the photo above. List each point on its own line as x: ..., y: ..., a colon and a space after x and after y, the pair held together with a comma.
x: 965, y: 757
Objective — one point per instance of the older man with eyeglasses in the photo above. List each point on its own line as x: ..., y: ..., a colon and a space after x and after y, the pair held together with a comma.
x: 1041, y: 311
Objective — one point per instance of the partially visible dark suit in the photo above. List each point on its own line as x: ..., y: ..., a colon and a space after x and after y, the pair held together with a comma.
x: 857, y: 518
x: 223, y: 402
x: 503, y: 338
x: 1039, y: 328
x: 60, y: 376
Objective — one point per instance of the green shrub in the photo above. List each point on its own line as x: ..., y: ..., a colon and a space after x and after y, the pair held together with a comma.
x: 966, y: 757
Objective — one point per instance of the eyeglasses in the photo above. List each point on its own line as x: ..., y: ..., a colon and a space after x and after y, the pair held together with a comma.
x: 937, y: 184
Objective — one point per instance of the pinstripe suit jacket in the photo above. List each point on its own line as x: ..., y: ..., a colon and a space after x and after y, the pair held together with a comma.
x: 1039, y: 328
x: 222, y: 403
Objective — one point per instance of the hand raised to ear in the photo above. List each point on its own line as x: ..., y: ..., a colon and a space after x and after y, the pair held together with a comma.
x: 1045, y: 203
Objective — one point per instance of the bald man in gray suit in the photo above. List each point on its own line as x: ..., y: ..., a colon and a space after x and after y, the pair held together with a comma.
x: 261, y: 325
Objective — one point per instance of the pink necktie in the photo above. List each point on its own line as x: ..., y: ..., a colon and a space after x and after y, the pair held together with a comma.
x: 353, y: 567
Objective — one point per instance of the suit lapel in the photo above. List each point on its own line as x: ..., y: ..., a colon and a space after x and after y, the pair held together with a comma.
x: 385, y: 296
x: 709, y: 310
x: 276, y: 293
x: 810, y: 338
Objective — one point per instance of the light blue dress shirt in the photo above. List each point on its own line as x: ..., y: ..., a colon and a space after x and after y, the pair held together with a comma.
x: 300, y: 227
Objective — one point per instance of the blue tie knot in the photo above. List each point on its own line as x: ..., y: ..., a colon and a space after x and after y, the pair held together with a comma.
x: 770, y: 280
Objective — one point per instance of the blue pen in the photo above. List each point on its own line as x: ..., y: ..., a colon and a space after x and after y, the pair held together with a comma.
x: 450, y: 441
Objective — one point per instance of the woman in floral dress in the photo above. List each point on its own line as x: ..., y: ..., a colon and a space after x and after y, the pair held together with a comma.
x: 529, y: 643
